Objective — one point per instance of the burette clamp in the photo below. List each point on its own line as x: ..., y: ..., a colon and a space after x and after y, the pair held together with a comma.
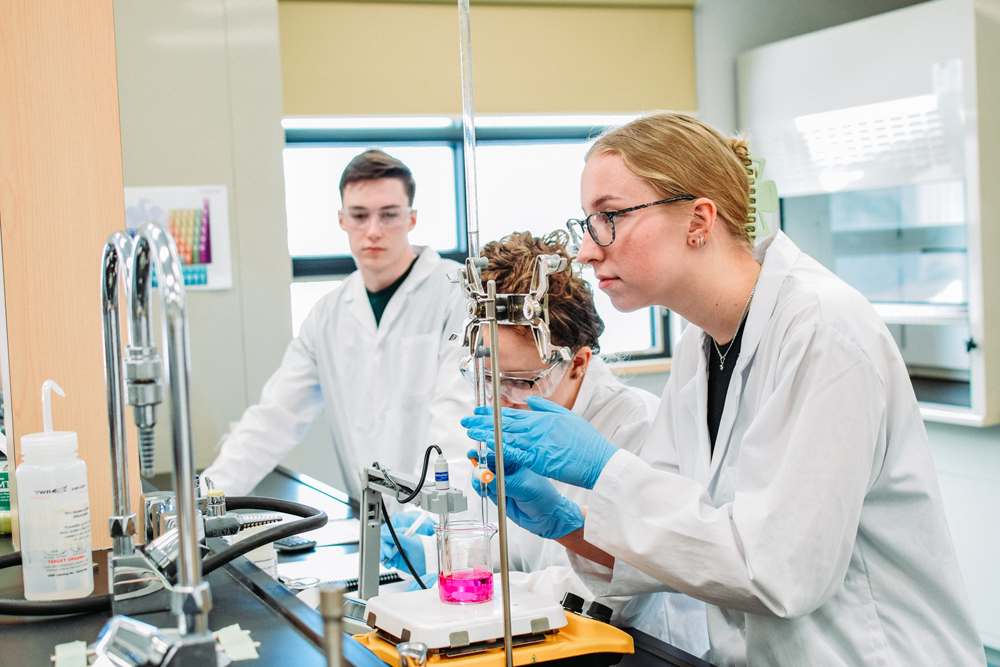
x: 530, y: 310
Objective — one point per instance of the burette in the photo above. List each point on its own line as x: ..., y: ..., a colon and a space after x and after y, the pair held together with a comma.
x: 474, y: 264
x: 472, y: 217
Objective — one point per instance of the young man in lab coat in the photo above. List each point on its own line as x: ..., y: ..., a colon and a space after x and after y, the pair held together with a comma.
x: 373, y: 354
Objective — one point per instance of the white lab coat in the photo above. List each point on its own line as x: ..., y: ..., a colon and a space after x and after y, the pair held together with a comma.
x: 816, y: 531
x: 623, y: 415
x: 388, y: 392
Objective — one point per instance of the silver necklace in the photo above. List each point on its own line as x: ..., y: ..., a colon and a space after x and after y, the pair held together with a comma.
x: 722, y: 357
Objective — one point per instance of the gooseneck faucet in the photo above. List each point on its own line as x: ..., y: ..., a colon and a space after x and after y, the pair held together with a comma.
x: 192, y: 598
x: 117, y: 252
x: 144, y: 367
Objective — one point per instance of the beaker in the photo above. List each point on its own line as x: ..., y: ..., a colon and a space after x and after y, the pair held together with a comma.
x: 465, y: 562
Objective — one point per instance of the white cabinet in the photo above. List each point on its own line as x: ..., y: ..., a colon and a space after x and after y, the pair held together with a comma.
x: 883, y: 137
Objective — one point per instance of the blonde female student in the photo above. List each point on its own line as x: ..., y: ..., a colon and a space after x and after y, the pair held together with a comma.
x: 787, y: 479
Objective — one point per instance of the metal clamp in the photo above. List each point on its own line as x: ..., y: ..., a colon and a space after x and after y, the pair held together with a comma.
x: 529, y: 310
x: 412, y: 654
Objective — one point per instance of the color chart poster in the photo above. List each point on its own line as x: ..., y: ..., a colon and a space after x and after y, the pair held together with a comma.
x: 197, y: 216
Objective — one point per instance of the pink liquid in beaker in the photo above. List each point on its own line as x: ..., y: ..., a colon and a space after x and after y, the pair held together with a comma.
x: 466, y: 587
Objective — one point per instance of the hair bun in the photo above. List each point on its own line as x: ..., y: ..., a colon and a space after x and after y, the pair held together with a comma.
x: 739, y: 146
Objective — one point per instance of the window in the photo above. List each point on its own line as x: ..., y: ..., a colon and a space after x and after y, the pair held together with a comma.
x: 312, y: 196
x: 528, y: 179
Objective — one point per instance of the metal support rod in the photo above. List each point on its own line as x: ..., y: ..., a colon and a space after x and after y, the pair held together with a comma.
x: 192, y: 598
x: 479, y: 364
x: 491, y: 314
x: 331, y: 606
x: 117, y: 251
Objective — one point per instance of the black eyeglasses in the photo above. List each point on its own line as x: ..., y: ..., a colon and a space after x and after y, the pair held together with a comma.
x: 602, y: 224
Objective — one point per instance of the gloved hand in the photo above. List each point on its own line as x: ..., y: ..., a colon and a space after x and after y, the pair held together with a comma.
x: 412, y: 544
x: 430, y: 580
x: 491, y: 463
x: 533, y: 503
x: 549, y: 439
x: 402, y: 521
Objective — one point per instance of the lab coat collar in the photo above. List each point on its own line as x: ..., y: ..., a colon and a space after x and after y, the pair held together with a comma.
x: 358, y: 304
x: 357, y: 296
x: 427, y: 259
x: 777, y: 254
x: 422, y: 269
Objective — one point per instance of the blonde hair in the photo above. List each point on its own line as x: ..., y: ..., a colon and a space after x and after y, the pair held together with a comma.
x: 680, y: 155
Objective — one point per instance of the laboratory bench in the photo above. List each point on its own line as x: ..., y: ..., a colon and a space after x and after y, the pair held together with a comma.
x: 289, y: 631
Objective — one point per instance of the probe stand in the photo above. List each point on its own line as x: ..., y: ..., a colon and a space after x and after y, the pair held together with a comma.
x: 375, y: 482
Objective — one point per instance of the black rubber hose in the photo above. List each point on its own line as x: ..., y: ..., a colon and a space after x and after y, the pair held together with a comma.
x: 10, y: 560
x: 56, y: 607
x: 51, y: 608
x: 312, y: 519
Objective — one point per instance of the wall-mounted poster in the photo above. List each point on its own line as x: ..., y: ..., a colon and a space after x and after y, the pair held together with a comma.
x: 197, y: 216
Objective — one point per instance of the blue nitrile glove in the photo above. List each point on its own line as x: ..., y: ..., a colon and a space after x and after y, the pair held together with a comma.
x: 533, y: 503
x: 402, y: 521
x: 413, y: 545
x: 429, y: 580
x: 491, y: 463
x: 549, y: 439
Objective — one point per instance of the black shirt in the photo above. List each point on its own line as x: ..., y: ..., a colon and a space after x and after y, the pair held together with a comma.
x: 718, y: 380
x: 380, y: 299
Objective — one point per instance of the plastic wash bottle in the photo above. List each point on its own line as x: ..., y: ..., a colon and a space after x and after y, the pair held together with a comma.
x: 54, y: 511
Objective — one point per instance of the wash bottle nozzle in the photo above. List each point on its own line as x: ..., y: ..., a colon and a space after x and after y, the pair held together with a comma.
x: 47, y: 388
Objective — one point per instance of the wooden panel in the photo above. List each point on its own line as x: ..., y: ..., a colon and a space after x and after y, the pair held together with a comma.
x: 343, y: 58
x: 61, y: 194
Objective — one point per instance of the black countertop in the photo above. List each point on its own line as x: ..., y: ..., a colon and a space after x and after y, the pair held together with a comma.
x: 289, y: 631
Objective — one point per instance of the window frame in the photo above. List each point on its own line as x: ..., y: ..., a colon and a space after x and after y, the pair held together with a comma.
x: 339, y: 266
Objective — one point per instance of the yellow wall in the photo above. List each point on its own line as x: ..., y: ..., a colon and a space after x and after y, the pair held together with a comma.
x: 345, y: 58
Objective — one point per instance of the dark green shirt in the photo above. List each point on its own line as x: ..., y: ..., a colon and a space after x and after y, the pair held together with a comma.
x: 380, y: 299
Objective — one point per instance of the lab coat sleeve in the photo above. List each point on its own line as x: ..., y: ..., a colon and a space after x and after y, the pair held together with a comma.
x: 554, y: 581
x: 267, y: 432
x: 783, y: 546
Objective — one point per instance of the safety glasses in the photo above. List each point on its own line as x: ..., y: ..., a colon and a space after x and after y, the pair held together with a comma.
x: 517, y: 386
x: 389, y: 217
x: 601, y: 225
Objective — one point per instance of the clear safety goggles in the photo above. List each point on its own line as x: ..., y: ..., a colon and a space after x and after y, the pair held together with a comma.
x: 389, y: 217
x: 517, y: 386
